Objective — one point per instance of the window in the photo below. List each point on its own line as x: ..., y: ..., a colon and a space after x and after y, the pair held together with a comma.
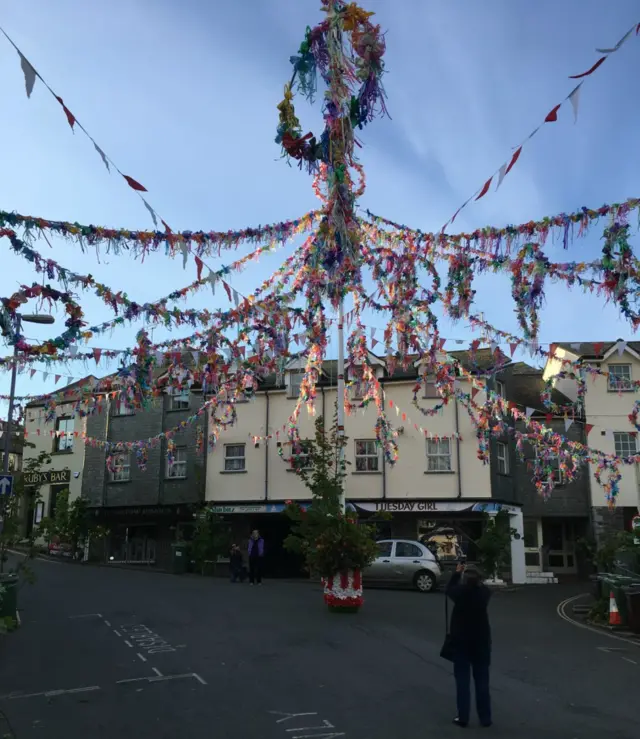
x: 430, y: 390
x: 121, y: 471
x: 552, y: 462
x: 502, y: 454
x: 356, y: 389
x: 179, y: 467
x: 406, y: 549
x: 295, y: 380
x: 384, y: 548
x: 300, y: 457
x: 500, y: 389
x: 122, y: 408
x: 438, y: 455
x: 64, y: 435
x: 367, y: 457
x: 234, y: 460
x: 620, y: 378
x: 179, y: 401
x: 625, y: 443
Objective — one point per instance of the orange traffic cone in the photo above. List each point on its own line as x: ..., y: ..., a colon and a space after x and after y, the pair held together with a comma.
x: 614, y: 613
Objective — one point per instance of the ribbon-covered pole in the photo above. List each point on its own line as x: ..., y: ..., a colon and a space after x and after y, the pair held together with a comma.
x: 341, y: 460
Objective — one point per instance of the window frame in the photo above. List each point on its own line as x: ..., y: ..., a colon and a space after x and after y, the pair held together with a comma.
x: 557, y: 474
x: 173, y: 397
x: 57, y: 447
x: 121, y: 410
x: 294, y: 467
x: 367, y: 456
x: 618, y: 388
x: 629, y: 435
x: 113, y: 474
x: 430, y: 390
x: 356, y: 389
x: 290, y: 391
x: 228, y: 459
x: 169, y: 469
x: 500, y: 389
x: 438, y: 455
x: 420, y: 554
x: 501, y: 446
x: 380, y: 554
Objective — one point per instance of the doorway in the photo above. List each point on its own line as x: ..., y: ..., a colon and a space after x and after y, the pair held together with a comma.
x: 532, y: 544
x: 558, y: 537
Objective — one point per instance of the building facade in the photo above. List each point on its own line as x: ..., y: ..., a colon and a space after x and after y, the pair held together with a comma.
x: 437, y: 482
x: 608, y: 401
x: 16, y: 445
x: 145, y: 509
x: 553, y: 524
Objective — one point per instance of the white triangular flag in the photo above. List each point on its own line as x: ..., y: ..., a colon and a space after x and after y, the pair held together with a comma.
x: 29, y: 74
x: 574, y: 99
x: 608, y: 434
x: 44, y: 376
x: 185, y: 253
x: 196, y: 357
x: 73, y: 350
x: 103, y: 156
x: 152, y: 213
x: 212, y: 279
x: 529, y: 412
x: 567, y: 423
x: 622, y: 345
x: 501, y: 174
x: 619, y: 44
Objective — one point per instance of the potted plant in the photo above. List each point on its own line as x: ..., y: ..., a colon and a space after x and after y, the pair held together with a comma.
x: 334, y: 544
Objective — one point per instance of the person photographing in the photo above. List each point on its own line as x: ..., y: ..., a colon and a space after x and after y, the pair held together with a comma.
x: 470, y: 642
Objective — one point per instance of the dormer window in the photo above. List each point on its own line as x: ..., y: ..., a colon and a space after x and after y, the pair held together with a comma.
x: 620, y: 380
x: 295, y: 381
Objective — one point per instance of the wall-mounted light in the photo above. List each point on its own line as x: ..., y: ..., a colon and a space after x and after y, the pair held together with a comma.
x: 400, y: 430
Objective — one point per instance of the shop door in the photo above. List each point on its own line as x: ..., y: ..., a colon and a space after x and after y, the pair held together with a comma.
x: 558, y: 538
x: 532, y: 544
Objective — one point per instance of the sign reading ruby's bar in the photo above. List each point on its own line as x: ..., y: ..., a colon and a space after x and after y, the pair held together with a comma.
x: 50, y: 477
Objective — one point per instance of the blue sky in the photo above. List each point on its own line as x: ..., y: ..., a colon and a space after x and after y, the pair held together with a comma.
x: 182, y: 96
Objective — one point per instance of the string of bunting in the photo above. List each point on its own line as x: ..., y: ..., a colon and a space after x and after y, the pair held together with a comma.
x: 552, y: 116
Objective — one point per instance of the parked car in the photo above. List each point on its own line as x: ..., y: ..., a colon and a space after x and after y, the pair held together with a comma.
x: 404, y: 562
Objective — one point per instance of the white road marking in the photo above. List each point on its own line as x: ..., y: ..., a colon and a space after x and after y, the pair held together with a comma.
x: 117, y: 633
x: 287, y: 716
x: 157, y: 671
x: 560, y: 610
x: 18, y: 618
x: 161, y: 678
x: 87, y: 615
x: 633, y: 662
x: 199, y: 679
x: 108, y: 623
x: 50, y: 693
x: 144, y: 659
x: 325, y: 725
x: 128, y: 643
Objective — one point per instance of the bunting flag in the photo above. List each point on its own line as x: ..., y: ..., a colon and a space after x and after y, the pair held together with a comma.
x: 573, y: 97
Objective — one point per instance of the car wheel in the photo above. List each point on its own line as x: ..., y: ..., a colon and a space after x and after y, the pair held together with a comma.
x: 424, y: 581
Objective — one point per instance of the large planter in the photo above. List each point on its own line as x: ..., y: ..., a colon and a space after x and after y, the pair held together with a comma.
x: 343, y: 592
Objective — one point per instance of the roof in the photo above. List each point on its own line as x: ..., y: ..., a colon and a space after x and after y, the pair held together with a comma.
x: 62, y: 392
x: 594, y: 349
x: 526, y: 386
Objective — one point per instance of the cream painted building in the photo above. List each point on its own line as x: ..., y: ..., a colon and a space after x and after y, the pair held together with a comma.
x: 608, y: 401
x: 61, y: 438
x: 435, y: 481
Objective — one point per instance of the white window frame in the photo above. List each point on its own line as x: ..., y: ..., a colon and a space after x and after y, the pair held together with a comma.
x: 119, y: 470
x: 433, y: 465
x: 180, y: 401
x: 122, y: 409
x: 625, y: 384
x: 502, y: 457
x: 631, y: 441
x: 178, y: 470
x: 556, y: 473
x: 500, y: 389
x: 304, y: 455
x: 64, y: 441
x: 229, y: 460
x: 294, y: 387
x: 368, y: 456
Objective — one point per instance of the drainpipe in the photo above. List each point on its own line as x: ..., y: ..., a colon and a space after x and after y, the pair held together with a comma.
x: 266, y: 449
x: 384, y: 477
x: 457, y: 427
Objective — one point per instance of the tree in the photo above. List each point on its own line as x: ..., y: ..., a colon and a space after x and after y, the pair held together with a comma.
x: 71, y: 522
x: 494, y: 546
x: 330, y: 540
x: 210, y: 539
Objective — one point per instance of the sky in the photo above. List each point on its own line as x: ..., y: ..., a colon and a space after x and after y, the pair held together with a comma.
x: 182, y: 96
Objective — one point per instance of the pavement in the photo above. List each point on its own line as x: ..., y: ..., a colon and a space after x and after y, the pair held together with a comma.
x: 106, y: 652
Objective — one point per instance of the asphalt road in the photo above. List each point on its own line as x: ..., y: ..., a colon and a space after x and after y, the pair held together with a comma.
x: 110, y: 652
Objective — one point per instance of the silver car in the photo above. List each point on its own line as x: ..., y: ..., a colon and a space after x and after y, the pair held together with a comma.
x: 404, y: 562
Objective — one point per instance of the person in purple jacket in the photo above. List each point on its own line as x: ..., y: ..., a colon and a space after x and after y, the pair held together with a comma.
x: 256, y: 555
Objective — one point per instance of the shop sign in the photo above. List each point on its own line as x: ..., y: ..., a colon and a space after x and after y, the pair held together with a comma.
x: 139, y: 511
x: 48, y: 477
x: 434, y: 506
x: 224, y: 510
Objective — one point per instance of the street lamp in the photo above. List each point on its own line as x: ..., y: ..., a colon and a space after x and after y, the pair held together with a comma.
x: 28, y: 318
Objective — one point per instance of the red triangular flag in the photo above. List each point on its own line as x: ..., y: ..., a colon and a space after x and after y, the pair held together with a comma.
x: 474, y: 392
x: 597, y: 348
x: 514, y: 159
x: 227, y: 289
x: 391, y: 404
x: 553, y: 114
x: 134, y: 184
x: 97, y: 353
x: 589, y: 71
x: 70, y: 117
x: 31, y: 373
x: 166, y: 227
x: 442, y: 343
x: 475, y: 344
x: 199, y: 266
x: 513, y: 347
x: 588, y: 427
x: 57, y: 377
x: 548, y: 418
x: 485, y: 188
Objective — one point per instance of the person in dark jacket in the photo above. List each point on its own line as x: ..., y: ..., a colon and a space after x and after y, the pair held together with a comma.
x: 235, y: 564
x: 471, y: 641
x: 256, y: 555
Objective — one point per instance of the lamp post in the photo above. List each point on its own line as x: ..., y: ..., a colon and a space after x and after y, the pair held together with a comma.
x: 29, y: 318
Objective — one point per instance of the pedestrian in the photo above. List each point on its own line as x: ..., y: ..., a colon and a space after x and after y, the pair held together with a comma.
x: 256, y: 555
x: 235, y: 563
x: 470, y: 642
